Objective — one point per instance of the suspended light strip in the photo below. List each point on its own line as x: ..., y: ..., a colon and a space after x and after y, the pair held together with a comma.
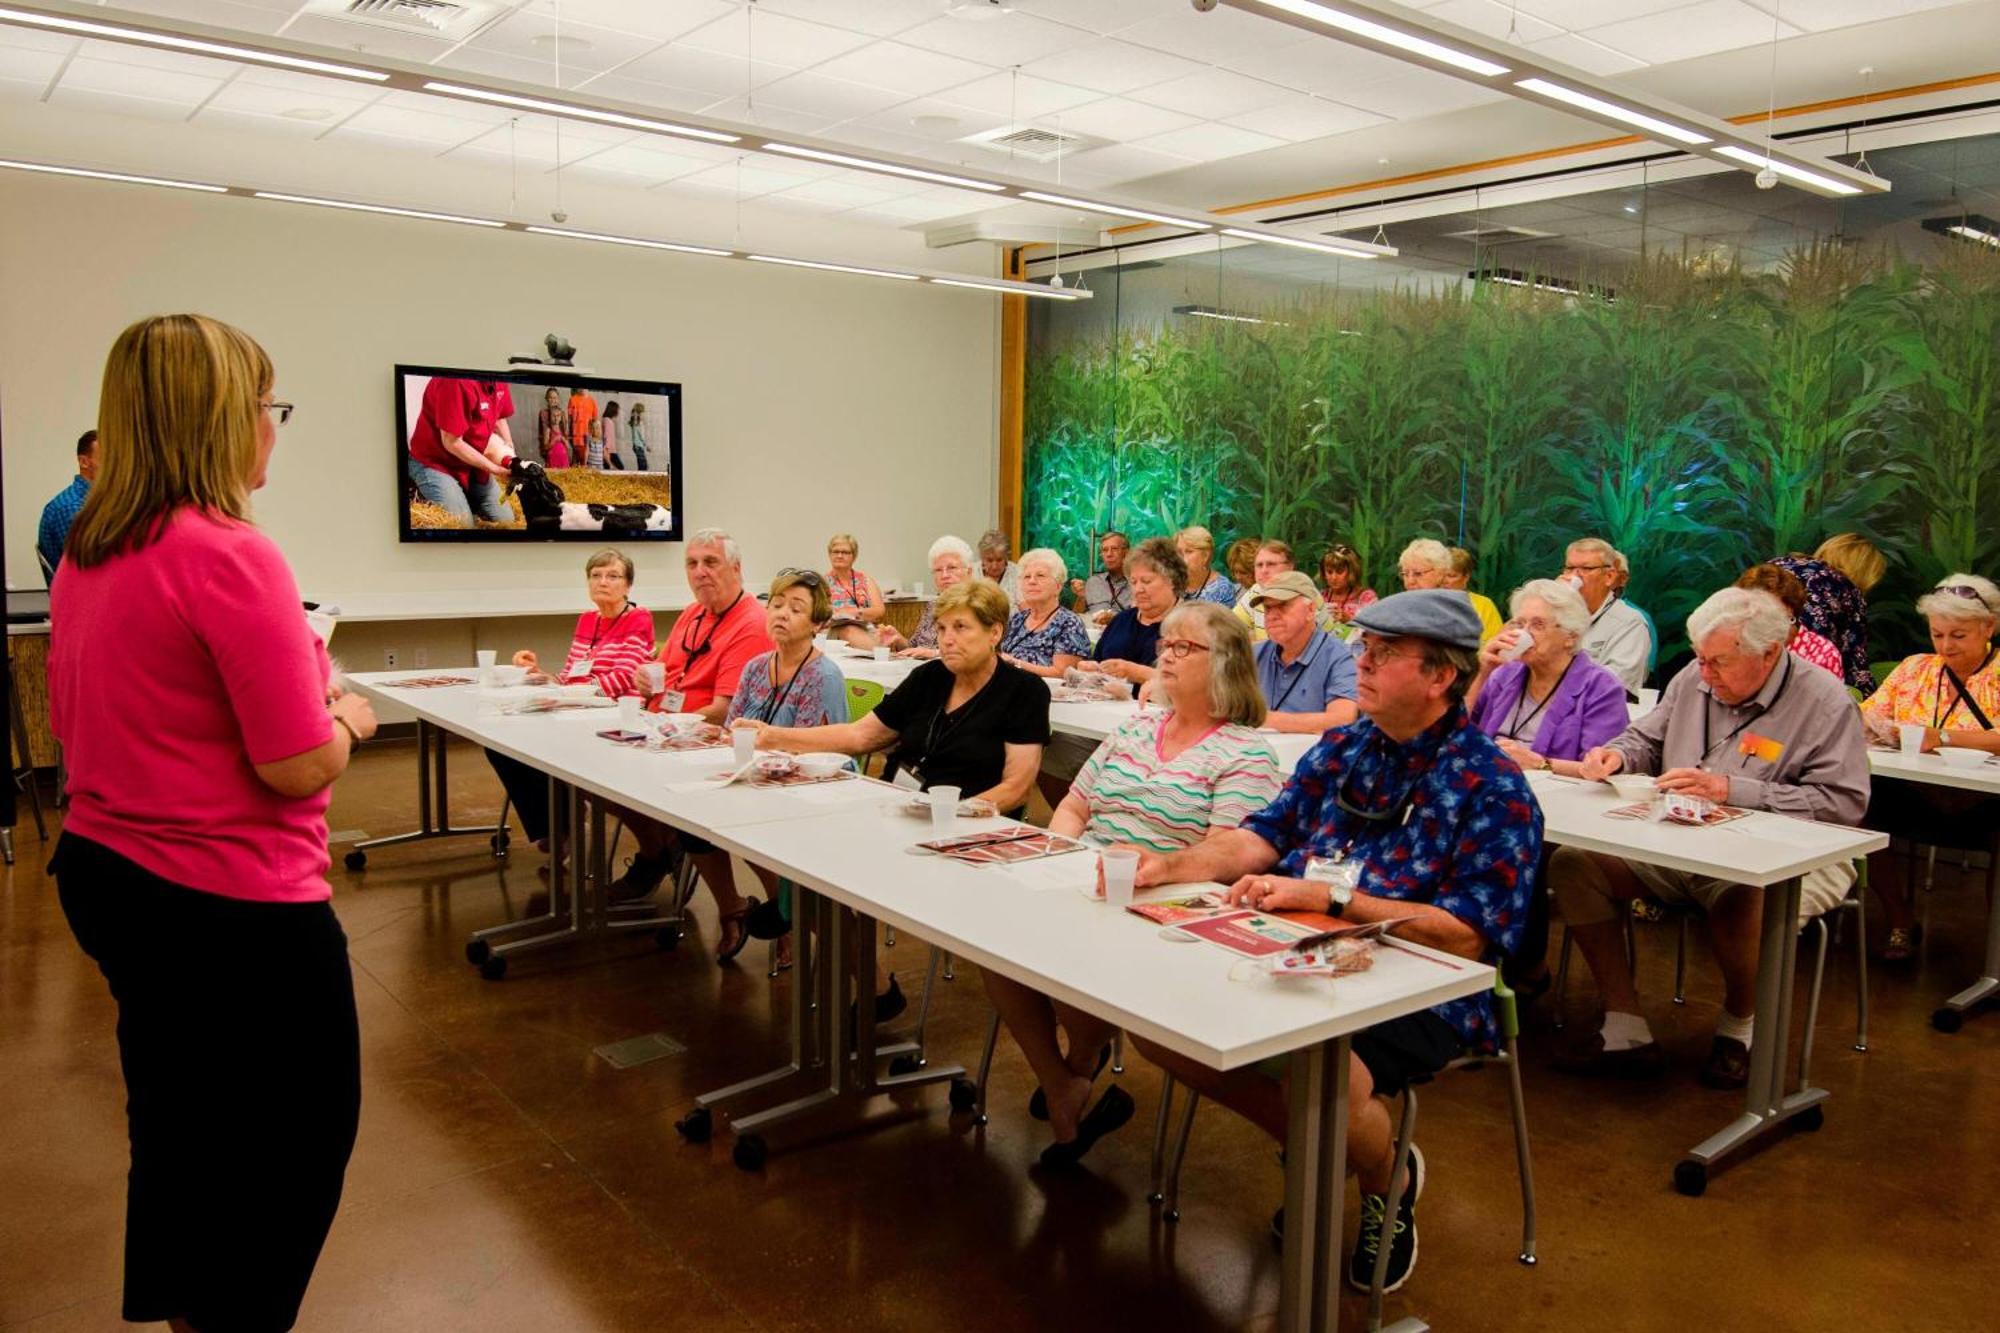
x: 225, y: 50
x: 1787, y: 170
x: 888, y: 168
x: 1314, y: 12
x: 1116, y: 210
x: 115, y: 176
x: 1301, y: 243
x: 834, y: 268
x: 608, y: 239
x: 578, y: 112
x: 1974, y: 234
x: 1625, y: 115
x: 1967, y: 227
x: 1012, y: 288
x: 1210, y: 312
x: 374, y: 208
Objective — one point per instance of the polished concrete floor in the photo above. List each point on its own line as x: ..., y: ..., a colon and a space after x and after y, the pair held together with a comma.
x: 508, y: 1178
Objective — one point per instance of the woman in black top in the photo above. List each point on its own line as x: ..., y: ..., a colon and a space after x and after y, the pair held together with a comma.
x: 967, y: 720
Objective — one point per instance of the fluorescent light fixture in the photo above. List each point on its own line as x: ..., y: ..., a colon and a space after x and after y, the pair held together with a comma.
x: 375, y: 208
x: 1966, y: 227
x: 1651, y: 124
x: 1228, y: 316
x: 833, y: 268
x: 119, y: 33
x: 1974, y: 234
x: 577, y: 112
x: 114, y: 176
x: 1314, y: 12
x: 1012, y: 288
x: 1752, y: 158
x: 708, y: 250
x: 1116, y: 210
x: 891, y: 168
x: 1299, y: 243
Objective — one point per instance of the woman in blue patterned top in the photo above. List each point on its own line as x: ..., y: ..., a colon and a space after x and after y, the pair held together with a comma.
x: 795, y: 685
x: 1197, y: 548
x: 1043, y: 637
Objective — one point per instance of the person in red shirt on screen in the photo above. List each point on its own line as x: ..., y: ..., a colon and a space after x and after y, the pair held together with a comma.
x: 460, y: 449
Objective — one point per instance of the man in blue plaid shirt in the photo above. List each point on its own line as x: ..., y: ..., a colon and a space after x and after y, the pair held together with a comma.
x: 60, y: 512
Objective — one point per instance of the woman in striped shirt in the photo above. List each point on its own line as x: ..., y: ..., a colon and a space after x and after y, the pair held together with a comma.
x: 610, y: 644
x: 1162, y: 782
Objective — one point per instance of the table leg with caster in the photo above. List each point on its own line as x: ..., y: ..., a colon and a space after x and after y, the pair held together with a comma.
x: 1951, y: 1017
x: 433, y: 804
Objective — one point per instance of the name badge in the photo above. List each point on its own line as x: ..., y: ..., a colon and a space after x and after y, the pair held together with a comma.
x: 674, y: 701
x: 907, y: 780
x: 1760, y: 747
x: 1333, y: 871
x: 581, y: 671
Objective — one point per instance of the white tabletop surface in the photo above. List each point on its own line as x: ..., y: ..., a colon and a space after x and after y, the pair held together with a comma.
x: 841, y: 839
x: 1931, y: 769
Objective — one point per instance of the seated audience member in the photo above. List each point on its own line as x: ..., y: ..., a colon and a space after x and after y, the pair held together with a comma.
x: 610, y: 644
x: 1271, y: 558
x: 1427, y: 563
x: 1838, y: 578
x: 1197, y: 548
x: 996, y: 563
x: 1620, y: 581
x: 1462, y: 874
x: 1306, y: 674
x: 1787, y: 587
x: 951, y: 563
x: 1162, y: 783
x: 1744, y: 724
x: 967, y: 720
x: 1618, y: 637
x: 1044, y: 638
x: 858, y: 605
x: 61, y: 510
x: 1107, y: 592
x: 1953, y: 692
x: 1460, y: 578
x: 1340, y: 577
x: 701, y: 668
x: 1240, y: 561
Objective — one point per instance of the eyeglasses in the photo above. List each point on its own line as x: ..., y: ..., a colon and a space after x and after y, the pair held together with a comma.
x: 1965, y: 590
x: 1176, y: 649
x: 1583, y: 569
x: 1376, y: 653
x: 1719, y: 662
x: 281, y: 411
x: 1533, y: 624
x: 810, y: 577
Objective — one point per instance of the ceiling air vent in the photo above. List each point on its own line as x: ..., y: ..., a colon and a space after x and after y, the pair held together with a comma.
x: 1479, y: 235
x: 1032, y: 142
x: 433, y: 18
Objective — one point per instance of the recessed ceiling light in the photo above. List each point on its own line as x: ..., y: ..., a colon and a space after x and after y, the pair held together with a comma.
x: 1115, y: 210
x: 1625, y: 115
x: 227, y: 51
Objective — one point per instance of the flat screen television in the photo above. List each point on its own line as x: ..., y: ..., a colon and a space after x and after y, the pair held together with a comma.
x: 593, y: 458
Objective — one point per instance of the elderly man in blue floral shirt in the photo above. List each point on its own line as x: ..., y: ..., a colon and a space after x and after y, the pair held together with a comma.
x: 1443, y: 829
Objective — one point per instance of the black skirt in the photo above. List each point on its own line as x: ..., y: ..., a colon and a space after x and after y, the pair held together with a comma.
x: 237, y: 1033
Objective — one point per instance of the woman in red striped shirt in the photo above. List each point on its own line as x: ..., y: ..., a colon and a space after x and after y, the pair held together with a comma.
x: 610, y: 644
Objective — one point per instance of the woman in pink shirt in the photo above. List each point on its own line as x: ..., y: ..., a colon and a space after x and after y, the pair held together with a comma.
x: 193, y: 863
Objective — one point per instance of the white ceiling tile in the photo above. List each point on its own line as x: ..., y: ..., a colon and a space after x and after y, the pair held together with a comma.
x: 367, y: 39
x: 1099, y: 16
x: 160, y: 85
x: 1693, y: 30
x: 706, y: 71
x: 904, y: 69
x: 1575, y: 14
x: 118, y: 103
x: 32, y: 39
x: 660, y: 96
x: 258, y: 122
x: 749, y: 181
x: 915, y: 208
x: 1416, y: 93
x: 931, y: 123
x: 1019, y: 98
x: 878, y: 18
x: 1824, y: 15
x: 776, y: 38
x: 767, y: 115
x: 521, y: 69
x: 1300, y: 118
x: 304, y: 85
x: 531, y: 35
x: 1588, y: 56
x: 476, y: 113
x: 661, y: 20
x: 400, y: 123
x: 1116, y: 163
x: 259, y: 99
x: 638, y: 161
x: 146, y: 57
x: 1111, y: 66
x: 842, y: 193
x: 1493, y: 18
x: 538, y: 143
x: 793, y: 203
x: 1213, y: 94
x: 1210, y: 142
x: 250, y: 16
x: 36, y: 67
x: 1123, y: 120
x: 1221, y: 36
x: 1319, y: 65
x: 834, y: 99
x: 1010, y: 39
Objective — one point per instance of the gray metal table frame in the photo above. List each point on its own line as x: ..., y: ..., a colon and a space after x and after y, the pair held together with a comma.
x: 433, y: 802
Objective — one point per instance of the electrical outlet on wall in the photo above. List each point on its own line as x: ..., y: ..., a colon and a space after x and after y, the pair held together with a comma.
x: 391, y: 659
x: 423, y: 657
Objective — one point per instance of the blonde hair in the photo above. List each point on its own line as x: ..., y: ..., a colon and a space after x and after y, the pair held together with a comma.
x: 609, y: 556
x: 1948, y: 599
x: 1461, y: 561
x: 1194, y: 534
x: 1855, y: 556
x: 981, y: 597
x: 844, y: 539
x: 176, y: 428
x: 1233, y: 692
x: 815, y: 586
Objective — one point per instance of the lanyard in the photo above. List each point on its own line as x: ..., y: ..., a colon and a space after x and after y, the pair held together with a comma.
x: 689, y: 654
x: 771, y: 713
x: 1514, y: 725
x: 931, y: 737
x: 857, y: 595
x: 1737, y: 730
x: 1964, y: 697
x: 590, y: 653
x: 1279, y: 655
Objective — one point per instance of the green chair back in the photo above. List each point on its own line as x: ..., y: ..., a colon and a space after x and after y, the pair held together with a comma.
x: 1504, y: 1008
x: 1881, y: 670
x: 1854, y: 693
x: 862, y: 696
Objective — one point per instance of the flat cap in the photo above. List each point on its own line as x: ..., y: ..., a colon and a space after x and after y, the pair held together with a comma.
x: 1442, y: 614
x: 1284, y: 587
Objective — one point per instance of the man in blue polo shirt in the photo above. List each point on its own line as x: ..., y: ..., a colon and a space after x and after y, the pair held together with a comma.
x: 1307, y: 675
x: 61, y: 511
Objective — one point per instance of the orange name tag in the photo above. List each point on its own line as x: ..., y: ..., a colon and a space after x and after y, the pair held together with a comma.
x: 1760, y: 747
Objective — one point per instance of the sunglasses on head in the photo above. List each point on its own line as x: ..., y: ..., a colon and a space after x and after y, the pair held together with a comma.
x: 810, y: 577
x: 1965, y: 590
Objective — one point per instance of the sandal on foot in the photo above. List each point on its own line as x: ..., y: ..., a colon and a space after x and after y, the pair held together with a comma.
x: 734, y: 921
x: 1901, y: 945
x: 1113, y: 1109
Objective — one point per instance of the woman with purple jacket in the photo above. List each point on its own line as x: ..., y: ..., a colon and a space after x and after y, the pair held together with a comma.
x: 1546, y: 704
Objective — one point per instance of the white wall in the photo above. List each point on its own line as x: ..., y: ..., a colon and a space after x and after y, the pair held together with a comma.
x: 812, y: 403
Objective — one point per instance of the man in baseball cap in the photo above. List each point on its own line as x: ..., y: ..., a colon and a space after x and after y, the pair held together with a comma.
x: 1307, y: 674
x: 1409, y: 812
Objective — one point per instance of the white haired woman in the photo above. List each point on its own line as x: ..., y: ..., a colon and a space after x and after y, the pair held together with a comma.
x: 1163, y: 783
x: 996, y: 563
x: 1043, y: 637
x: 1196, y: 545
x: 1953, y: 692
x: 1429, y: 563
x: 951, y: 564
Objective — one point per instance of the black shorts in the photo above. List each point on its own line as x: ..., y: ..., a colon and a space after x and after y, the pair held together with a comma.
x: 1402, y: 1049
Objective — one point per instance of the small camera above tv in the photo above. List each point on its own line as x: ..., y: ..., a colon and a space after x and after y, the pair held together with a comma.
x: 527, y: 455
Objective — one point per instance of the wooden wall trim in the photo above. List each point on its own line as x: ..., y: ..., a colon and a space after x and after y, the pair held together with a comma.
x: 1013, y: 385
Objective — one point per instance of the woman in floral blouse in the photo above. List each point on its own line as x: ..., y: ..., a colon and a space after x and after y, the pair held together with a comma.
x: 1838, y: 577
x: 1790, y: 589
x: 1043, y: 637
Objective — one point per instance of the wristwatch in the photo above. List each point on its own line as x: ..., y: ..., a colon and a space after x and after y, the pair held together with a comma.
x: 1338, y: 895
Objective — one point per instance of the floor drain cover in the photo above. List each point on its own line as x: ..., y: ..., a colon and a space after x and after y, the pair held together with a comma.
x: 639, y: 1050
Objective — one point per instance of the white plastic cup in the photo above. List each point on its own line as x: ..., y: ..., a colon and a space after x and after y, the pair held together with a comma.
x: 1121, y: 872
x: 1523, y: 641
x: 944, y: 810
x: 486, y: 658
x: 745, y: 741
x: 628, y: 712
x: 1910, y: 736
x: 650, y: 677
x: 881, y: 652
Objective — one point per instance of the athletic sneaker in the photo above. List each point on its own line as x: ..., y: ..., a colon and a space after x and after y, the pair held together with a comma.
x: 1402, y: 1233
